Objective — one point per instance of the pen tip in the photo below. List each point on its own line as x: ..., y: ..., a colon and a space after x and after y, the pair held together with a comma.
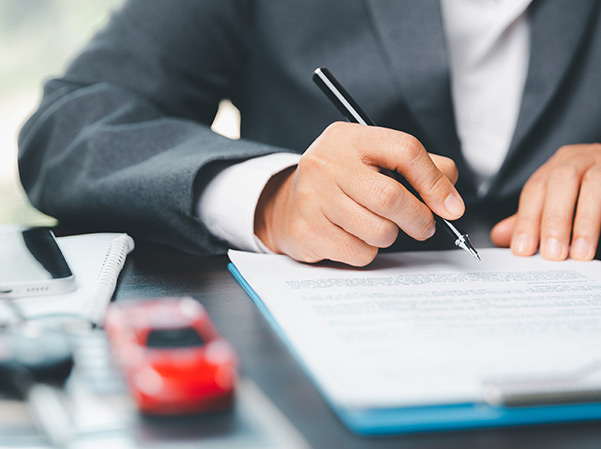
x: 464, y: 243
x: 475, y: 254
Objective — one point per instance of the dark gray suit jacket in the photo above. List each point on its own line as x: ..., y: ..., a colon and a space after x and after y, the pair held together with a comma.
x: 122, y: 140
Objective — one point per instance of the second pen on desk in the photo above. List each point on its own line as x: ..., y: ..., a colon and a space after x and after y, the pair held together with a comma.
x: 353, y: 112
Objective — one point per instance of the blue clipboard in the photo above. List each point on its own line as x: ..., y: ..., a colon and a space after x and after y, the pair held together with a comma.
x: 383, y: 421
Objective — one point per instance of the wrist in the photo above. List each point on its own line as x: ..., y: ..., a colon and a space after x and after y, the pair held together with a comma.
x: 272, y: 201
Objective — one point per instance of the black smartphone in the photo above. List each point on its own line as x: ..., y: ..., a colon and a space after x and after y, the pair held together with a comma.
x: 32, y: 264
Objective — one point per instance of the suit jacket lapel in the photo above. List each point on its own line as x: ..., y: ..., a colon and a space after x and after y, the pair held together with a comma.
x: 412, y: 39
x: 557, y: 31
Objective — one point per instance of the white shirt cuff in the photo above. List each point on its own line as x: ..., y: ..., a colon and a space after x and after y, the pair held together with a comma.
x: 228, y: 202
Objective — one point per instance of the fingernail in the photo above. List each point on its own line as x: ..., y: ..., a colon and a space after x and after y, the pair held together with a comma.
x: 521, y: 244
x: 553, y: 249
x: 581, y: 249
x: 453, y: 204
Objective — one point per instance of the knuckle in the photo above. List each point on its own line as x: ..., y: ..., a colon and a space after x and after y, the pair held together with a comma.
x: 443, y: 161
x: 423, y: 231
x: 449, y: 168
x: 433, y: 184
x: 310, y: 162
x: 566, y: 150
x: 451, y: 164
x: 584, y: 221
x: 564, y: 172
x: 385, y: 233
x: 336, y: 129
x: 527, y: 219
x: 555, y: 221
x: 387, y: 195
x: 412, y: 148
x: 593, y: 175
x: 436, y: 183
x: 535, y: 183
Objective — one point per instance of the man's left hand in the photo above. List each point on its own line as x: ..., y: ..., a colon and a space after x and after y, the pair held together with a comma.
x: 559, y: 208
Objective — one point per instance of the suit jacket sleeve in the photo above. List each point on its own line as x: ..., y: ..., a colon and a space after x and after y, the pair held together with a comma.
x: 122, y: 140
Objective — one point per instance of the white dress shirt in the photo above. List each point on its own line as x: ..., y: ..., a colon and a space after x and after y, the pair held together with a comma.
x: 488, y: 44
x: 488, y: 47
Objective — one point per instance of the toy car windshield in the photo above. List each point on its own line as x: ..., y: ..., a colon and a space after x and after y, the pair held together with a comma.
x: 185, y: 337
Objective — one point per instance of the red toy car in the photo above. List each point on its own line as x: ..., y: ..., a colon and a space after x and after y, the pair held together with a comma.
x: 174, y: 360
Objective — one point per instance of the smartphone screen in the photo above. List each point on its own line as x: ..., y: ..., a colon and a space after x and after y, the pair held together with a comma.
x: 31, y: 263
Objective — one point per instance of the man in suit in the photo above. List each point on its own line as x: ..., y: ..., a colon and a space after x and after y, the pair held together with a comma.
x: 504, y: 93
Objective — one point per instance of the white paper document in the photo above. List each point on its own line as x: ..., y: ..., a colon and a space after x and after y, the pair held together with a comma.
x: 426, y: 328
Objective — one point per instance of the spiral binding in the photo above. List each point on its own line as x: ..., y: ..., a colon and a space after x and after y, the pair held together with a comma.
x: 115, y: 257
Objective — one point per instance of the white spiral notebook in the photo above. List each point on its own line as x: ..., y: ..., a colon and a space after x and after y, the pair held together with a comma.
x: 96, y: 260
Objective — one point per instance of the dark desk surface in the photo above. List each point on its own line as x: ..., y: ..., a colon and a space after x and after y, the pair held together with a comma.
x: 153, y: 271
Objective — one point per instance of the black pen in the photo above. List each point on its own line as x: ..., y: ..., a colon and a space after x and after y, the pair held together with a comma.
x: 353, y: 112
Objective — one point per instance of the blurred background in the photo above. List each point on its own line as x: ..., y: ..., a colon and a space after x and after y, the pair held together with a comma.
x: 37, y: 39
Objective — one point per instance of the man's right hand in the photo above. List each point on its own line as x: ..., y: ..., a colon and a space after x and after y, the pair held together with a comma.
x: 337, y: 205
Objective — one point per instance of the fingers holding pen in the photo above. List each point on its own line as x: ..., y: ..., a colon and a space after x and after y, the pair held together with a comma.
x: 343, y: 211
x: 316, y: 238
x: 404, y: 154
x: 303, y: 214
x: 361, y: 222
x: 338, y: 205
x: 434, y: 187
x: 388, y: 198
x: 344, y: 166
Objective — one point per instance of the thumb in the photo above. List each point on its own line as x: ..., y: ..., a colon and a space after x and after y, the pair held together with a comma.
x: 502, y: 232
